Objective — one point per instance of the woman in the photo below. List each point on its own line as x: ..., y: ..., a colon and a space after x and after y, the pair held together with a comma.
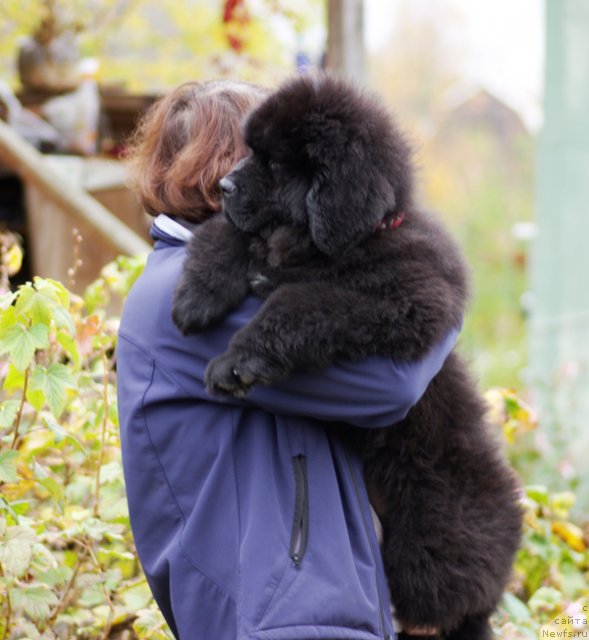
x: 251, y: 518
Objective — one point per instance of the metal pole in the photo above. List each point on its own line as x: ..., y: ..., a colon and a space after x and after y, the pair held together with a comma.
x: 559, y: 327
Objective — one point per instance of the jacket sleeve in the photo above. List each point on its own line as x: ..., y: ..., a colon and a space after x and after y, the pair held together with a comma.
x: 375, y: 392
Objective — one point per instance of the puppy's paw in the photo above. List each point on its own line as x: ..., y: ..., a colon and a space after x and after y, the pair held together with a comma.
x: 225, y: 375
x: 196, y: 311
x: 236, y: 373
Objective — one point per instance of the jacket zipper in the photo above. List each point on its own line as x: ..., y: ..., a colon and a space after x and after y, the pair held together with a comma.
x: 378, y: 593
x: 299, y: 536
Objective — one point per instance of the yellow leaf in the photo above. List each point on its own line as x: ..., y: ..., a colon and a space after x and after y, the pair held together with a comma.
x: 13, y: 259
x: 570, y: 533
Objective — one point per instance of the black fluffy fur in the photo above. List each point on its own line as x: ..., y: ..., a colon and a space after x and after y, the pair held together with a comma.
x: 328, y: 164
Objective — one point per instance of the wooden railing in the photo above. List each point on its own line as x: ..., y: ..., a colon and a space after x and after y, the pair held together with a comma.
x: 20, y: 156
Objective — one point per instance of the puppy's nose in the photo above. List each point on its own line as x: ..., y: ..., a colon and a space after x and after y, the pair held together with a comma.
x: 227, y: 186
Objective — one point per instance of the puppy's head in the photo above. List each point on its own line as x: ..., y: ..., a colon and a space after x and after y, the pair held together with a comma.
x: 324, y: 155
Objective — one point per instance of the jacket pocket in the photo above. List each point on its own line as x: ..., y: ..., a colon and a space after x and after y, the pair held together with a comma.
x: 300, y: 526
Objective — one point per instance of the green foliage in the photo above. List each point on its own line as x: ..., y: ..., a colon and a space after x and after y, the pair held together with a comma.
x: 483, y: 186
x: 68, y: 567
x: 551, y: 573
x: 476, y: 164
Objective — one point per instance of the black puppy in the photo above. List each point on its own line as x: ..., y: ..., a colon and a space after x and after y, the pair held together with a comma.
x: 320, y: 222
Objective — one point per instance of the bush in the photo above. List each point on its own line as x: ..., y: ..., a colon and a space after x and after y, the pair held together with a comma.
x: 68, y: 567
x: 551, y: 572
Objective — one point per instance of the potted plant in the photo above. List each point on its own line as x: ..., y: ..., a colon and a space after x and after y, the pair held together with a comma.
x: 48, y: 57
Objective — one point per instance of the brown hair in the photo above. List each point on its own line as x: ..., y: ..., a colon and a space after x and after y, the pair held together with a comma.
x: 185, y: 143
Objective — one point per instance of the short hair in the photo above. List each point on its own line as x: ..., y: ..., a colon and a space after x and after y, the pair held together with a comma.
x: 185, y: 143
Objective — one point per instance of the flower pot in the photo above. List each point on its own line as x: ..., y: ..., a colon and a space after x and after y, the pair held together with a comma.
x: 50, y: 66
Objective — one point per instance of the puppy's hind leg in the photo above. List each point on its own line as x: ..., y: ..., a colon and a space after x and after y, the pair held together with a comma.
x: 473, y: 627
x: 403, y: 635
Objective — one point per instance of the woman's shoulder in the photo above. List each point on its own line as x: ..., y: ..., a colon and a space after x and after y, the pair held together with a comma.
x: 148, y: 304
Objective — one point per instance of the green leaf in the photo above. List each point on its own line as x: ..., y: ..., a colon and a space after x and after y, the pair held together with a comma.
x: 59, y: 435
x: 126, y: 556
x: 43, y: 560
x: 92, y: 596
x: 55, y: 576
x: 9, y: 508
x: 79, y: 490
x: 97, y: 529
x: 57, y: 289
x: 113, y: 413
x: 46, y: 301
x: 53, y: 382
x: 136, y: 597
x: 111, y: 472
x: 545, y: 600
x: 27, y: 630
x: 95, y: 295
x: 70, y: 346
x: 36, y: 398
x: 561, y: 503
x: 39, y: 470
x: 22, y: 342
x: 54, y: 488
x: 35, y: 305
x: 35, y: 600
x: 15, y: 379
x: 113, y: 502
x: 16, y: 550
x: 8, y: 413
x: 150, y: 624
x: 8, y: 318
x: 6, y: 300
x: 8, y: 471
x: 515, y: 608
x: 63, y: 320
x: 538, y: 493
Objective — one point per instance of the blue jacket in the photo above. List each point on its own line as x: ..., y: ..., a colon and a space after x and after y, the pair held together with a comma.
x: 251, y: 519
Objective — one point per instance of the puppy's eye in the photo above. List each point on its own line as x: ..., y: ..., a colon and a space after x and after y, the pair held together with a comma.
x: 274, y: 166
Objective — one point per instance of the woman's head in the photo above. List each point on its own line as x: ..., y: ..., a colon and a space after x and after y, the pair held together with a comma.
x: 186, y: 143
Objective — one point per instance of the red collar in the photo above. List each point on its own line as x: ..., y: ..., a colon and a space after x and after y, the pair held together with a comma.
x: 391, y: 221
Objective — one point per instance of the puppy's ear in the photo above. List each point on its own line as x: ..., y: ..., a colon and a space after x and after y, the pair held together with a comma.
x: 347, y: 200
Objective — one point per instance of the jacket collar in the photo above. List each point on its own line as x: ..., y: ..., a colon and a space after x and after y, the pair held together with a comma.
x: 171, y: 231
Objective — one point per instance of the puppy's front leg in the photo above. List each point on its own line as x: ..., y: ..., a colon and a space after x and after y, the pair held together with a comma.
x: 303, y: 326
x: 214, y: 280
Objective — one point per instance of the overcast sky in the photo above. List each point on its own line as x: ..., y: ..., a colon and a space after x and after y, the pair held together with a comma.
x: 503, y: 42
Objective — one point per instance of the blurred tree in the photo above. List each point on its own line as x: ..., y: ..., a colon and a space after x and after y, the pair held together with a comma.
x: 153, y: 45
x: 475, y: 164
x: 418, y: 66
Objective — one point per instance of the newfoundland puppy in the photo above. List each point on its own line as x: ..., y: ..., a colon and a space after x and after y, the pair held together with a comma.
x: 320, y: 221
